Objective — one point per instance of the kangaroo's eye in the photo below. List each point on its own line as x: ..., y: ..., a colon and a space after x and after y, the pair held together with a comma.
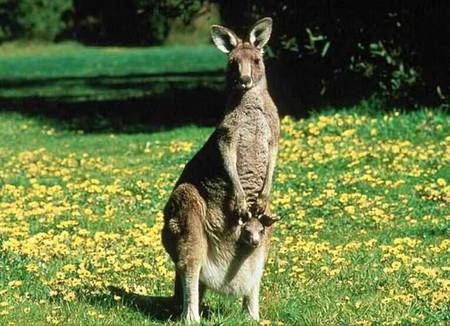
x: 256, y: 61
x: 233, y: 68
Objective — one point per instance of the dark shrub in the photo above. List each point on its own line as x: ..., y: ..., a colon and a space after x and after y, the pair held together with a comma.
x: 339, y: 51
x: 129, y: 22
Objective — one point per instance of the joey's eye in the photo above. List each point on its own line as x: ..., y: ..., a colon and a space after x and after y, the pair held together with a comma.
x: 261, y: 232
x: 256, y: 61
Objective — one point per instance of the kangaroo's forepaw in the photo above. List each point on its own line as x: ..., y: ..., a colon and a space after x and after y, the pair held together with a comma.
x: 261, y: 205
x: 241, y: 210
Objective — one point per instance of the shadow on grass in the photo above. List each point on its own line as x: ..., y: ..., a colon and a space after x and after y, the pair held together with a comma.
x: 127, y: 104
x: 131, y: 103
x: 154, y: 307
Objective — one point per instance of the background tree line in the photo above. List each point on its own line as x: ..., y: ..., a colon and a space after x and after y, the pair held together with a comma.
x: 322, y: 51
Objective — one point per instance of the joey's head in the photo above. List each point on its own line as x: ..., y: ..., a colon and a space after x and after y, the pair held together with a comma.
x: 254, y: 229
x: 245, y: 57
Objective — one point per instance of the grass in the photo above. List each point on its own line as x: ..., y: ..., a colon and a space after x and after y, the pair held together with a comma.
x: 364, y: 240
x: 75, y: 72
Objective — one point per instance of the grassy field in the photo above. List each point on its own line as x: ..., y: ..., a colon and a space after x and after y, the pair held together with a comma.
x: 364, y: 195
x: 364, y: 240
x: 72, y: 72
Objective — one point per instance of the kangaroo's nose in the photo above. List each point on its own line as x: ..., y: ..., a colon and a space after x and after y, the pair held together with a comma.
x: 246, y: 81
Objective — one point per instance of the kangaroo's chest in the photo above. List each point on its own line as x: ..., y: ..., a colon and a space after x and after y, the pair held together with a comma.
x: 253, y: 151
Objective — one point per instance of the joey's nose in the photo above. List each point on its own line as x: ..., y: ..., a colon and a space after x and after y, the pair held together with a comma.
x: 246, y: 81
x: 254, y: 243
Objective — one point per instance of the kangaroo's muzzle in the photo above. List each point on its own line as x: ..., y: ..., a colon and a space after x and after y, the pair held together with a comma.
x: 245, y: 82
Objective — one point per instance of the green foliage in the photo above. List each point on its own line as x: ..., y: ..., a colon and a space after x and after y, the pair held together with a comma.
x: 157, y: 26
x: 33, y: 19
x: 134, y: 22
x: 161, y: 13
x: 158, y: 15
x: 177, y: 8
x: 327, y: 50
x: 43, y: 19
x: 8, y: 23
x: 396, y: 78
x: 197, y: 30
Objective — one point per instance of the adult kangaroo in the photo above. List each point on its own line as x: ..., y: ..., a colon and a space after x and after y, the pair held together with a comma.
x: 227, y: 182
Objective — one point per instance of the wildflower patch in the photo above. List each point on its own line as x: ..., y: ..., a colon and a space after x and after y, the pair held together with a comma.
x: 364, y: 196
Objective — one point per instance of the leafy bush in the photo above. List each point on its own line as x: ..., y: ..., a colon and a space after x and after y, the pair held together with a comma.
x: 33, y: 19
x: 129, y: 22
x: 121, y: 22
x: 331, y: 51
x: 396, y: 79
x: 8, y: 23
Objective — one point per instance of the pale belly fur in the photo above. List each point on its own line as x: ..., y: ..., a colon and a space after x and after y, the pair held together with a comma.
x: 233, y: 276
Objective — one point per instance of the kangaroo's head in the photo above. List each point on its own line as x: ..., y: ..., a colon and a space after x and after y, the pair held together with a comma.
x: 245, y: 57
x: 254, y: 229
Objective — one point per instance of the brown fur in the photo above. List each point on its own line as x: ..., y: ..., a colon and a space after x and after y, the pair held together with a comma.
x: 227, y: 180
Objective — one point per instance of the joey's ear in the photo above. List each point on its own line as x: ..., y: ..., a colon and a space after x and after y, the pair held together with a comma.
x: 267, y: 220
x: 224, y: 38
x: 260, y: 33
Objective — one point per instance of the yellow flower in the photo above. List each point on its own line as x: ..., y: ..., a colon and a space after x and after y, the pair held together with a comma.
x: 349, y: 132
x: 441, y: 182
x: 31, y: 267
x: 69, y: 296
x: 15, y: 284
x: 350, y: 209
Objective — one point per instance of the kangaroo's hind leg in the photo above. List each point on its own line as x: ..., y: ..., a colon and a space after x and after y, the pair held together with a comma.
x: 177, y: 299
x: 187, y: 210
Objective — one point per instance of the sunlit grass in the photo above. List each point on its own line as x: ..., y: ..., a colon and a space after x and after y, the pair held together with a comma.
x: 365, y: 234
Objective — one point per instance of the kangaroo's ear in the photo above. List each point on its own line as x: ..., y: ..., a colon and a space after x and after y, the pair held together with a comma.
x: 224, y: 38
x: 267, y: 220
x: 260, y: 33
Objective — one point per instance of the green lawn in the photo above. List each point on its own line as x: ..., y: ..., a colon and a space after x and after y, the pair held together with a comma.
x: 75, y: 72
x: 364, y: 240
